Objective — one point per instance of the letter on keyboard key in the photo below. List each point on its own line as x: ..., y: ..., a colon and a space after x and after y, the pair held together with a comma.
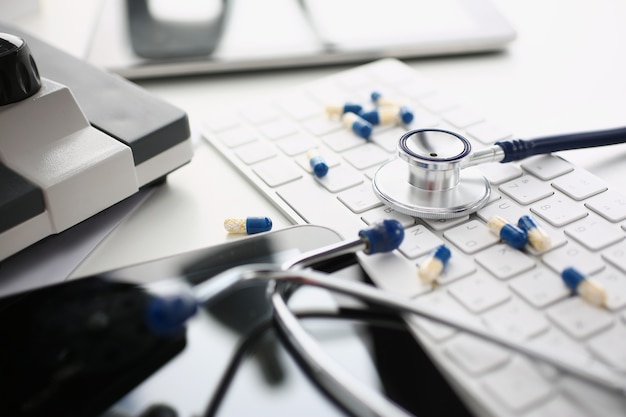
x: 559, y: 210
x: 575, y: 256
x: 504, y: 261
x: 385, y: 212
x: 518, y: 385
x: 610, y: 204
x: 594, y: 233
x: 547, y: 167
x: 418, y: 241
x: 526, y: 189
x: 471, y: 237
x: 579, y: 184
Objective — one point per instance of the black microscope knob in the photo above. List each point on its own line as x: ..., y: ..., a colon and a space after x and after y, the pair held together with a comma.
x: 19, y: 77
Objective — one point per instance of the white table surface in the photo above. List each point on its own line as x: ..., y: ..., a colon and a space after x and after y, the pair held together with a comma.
x: 565, y: 72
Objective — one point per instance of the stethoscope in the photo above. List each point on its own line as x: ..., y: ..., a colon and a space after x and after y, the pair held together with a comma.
x: 426, y: 179
x: 168, y: 311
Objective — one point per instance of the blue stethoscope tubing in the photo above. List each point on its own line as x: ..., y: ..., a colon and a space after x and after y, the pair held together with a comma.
x: 516, y: 150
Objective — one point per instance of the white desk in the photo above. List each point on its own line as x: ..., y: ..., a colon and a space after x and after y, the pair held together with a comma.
x: 565, y: 72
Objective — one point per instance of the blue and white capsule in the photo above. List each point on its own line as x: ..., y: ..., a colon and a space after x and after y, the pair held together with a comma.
x: 588, y: 289
x: 380, y: 100
x: 389, y: 115
x: 537, y: 236
x: 432, y: 267
x: 249, y: 225
x: 317, y: 162
x: 357, y: 124
x: 334, y: 110
x: 509, y: 233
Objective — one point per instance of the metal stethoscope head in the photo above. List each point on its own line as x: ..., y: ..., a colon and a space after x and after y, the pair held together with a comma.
x: 426, y: 180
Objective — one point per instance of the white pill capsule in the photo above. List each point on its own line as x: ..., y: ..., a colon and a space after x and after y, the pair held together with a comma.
x: 249, y: 225
x: 588, y: 289
x: 508, y: 232
x: 380, y: 100
x: 354, y: 122
x: 317, y: 162
x: 388, y: 115
x: 537, y: 237
x: 333, y: 110
x: 432, y: 267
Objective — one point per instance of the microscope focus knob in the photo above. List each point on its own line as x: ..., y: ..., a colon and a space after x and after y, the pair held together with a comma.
x: 19, y: 77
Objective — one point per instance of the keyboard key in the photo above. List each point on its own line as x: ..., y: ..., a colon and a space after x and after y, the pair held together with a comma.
x: 385, y: 212
x: 340, y: 178
x: 547, y: 167
x: 504, y: 208
x: 300, y: 107
x: 343, y: 140
x: 526, y: 190
x: 614, y: 283
x: 488, y: 133
x: 476, y: 356
x: 388, y: 140
x: 616, y: 255
x: 458, y: 267
x: 359, y: 199
x: 297, y: 144
x: 540, y: 287
x: 443, y: 224
x: 594, y: 233
x: 575, y: 256
x: 255, y: 152
x: 365, y: 156
x: 237, y: 136
x: 578, y: 318
x: 471, y: 237
x: 418, y: 241
x: 439, y: 332
x: 462, y: 117
x: 559, y: 210
x: 479, y: 292
x: 321, y: 125
x: 610, y: 204
x: 579, y: 184
x: 279, y: 129
x: 304, y: 195
x: 498, y: 173
x: 610, y: 347
x: 275, y: 171
x: 504, y: 262
x: 518, y: 385
x: 516, y: 319
x: 439, y: 102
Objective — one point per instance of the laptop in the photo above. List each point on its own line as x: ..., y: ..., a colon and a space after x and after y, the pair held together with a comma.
x: 253, y: 35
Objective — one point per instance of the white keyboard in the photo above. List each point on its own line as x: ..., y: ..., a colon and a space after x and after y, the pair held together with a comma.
x: 514, y: 291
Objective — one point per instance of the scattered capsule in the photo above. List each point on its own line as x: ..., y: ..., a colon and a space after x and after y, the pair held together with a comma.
x: 537, y: 237
x: 380, y: 100
x: 317, y: 162
x: 359, y: 126
x: 430, y: 269
x: 588, y: 289
x: 508, y: 232
x: 388, y: 115
x: 249, y: 225
x: 339, y: 109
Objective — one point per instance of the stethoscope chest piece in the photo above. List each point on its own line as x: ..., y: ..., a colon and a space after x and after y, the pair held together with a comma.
x: 425, y: 180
